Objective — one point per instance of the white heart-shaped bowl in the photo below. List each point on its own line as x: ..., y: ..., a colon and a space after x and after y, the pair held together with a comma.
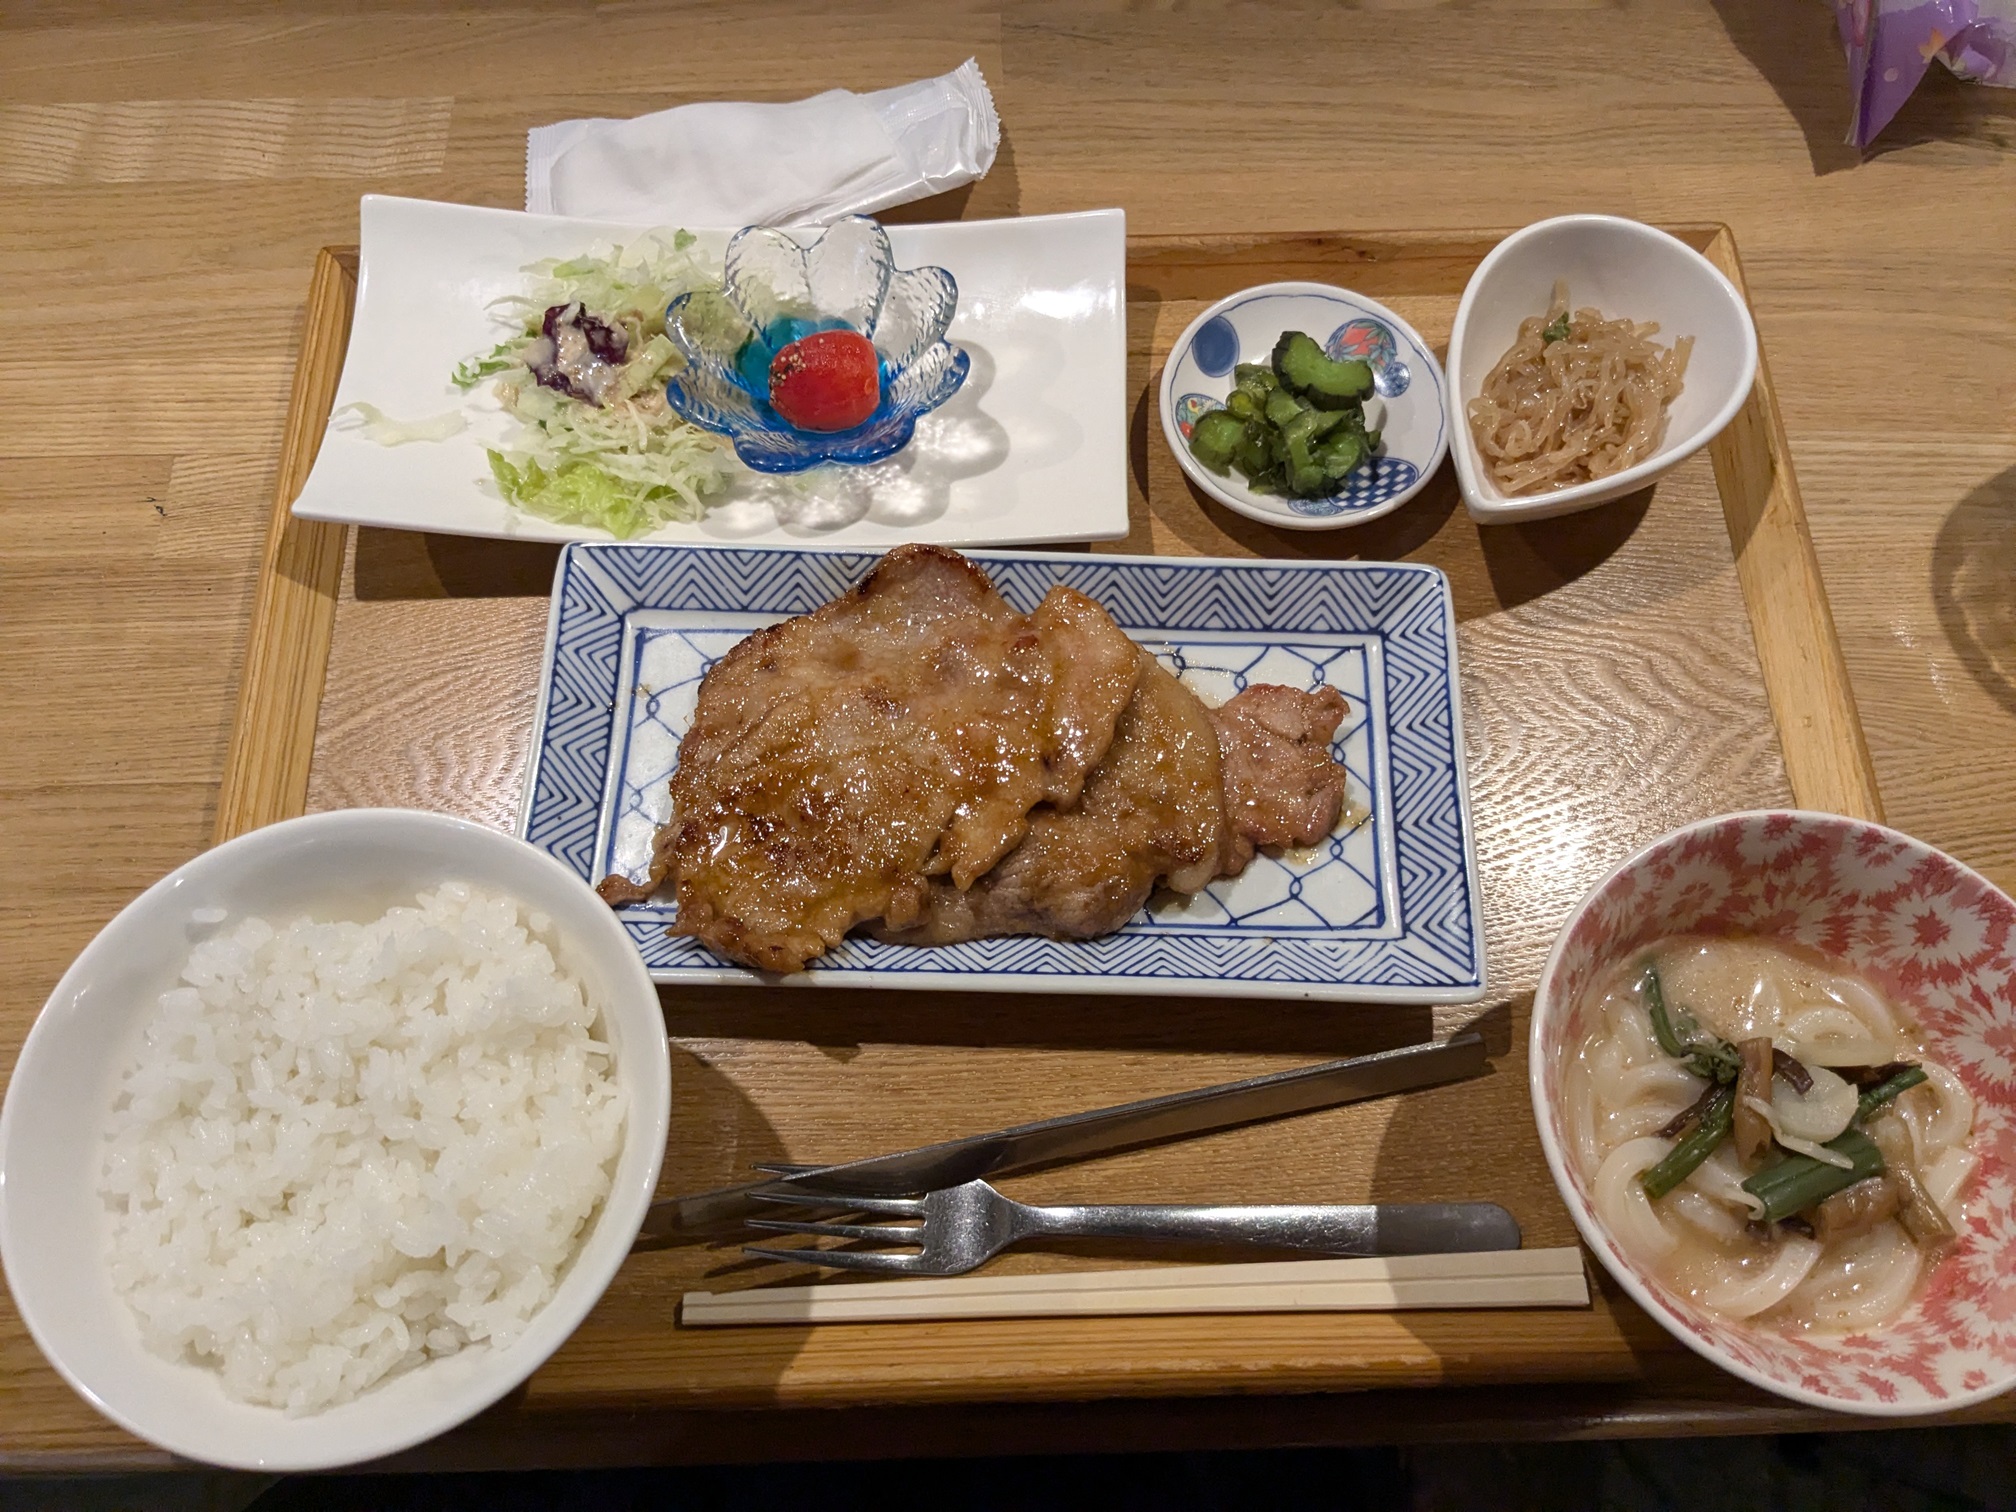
x: 1407, y: 406
x: 1939, y: 941
x: 350, y: 863
x: 1624, y: 269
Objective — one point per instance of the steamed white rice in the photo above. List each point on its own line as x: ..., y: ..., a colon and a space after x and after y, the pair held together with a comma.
x: 344, y: 1149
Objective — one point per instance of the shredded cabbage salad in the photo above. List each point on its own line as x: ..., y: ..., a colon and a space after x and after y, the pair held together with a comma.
x: 386, y: 431
x: 627, y: 463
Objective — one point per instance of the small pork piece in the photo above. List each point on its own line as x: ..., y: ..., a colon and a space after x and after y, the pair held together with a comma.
x: 1855, y: 1210
x: 1166, y: 808
x: 1152, y: 813
x: 1690, y: 1115
x: 1753, y: 1087
x: 1796, y: 1076
x: 1922, y: 1218
x: 839, y: 761
x: 1281, y: 787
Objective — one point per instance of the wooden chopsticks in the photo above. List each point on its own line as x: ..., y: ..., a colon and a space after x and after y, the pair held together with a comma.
x: 1498, y: 1278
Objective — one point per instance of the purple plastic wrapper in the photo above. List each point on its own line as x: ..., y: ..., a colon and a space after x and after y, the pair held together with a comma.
x: 1891, y: 43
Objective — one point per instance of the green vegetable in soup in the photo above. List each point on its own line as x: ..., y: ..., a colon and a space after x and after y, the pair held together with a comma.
x: 1707, y: 1056
x: 1797, y: 1182
x: 1680, y: 1161
x: 1884, y: 1091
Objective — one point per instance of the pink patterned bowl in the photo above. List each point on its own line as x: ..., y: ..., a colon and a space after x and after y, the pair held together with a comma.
x: 1936, y: 937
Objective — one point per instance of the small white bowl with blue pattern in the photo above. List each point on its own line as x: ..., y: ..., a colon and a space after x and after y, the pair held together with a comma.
x: 1407, y: 406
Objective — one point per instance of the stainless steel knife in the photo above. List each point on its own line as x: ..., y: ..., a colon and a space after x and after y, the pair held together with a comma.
x: 1077, y: 1136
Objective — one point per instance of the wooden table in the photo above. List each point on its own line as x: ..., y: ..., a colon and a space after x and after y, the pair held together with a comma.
x: 165, y: 181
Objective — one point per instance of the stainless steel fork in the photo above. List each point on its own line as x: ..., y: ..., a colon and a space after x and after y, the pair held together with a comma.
x: 963, y: 1227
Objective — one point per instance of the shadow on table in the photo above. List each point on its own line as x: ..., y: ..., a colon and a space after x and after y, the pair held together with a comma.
x: 406, y: 564
x: 720, y: 1132
x: 1490, y: 567
x: 1357, y: 1029
x: 1489, y: 1114
x: 840, y: 1020
x: 1949, y: 109
x: 1974, y: 585
x: 1013, y: 1457
x: 1492, y: 1117
x: 1798, y: 51
x: 998, y: 196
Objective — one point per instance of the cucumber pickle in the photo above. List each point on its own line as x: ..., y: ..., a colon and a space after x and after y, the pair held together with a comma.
x: 1293, y: 425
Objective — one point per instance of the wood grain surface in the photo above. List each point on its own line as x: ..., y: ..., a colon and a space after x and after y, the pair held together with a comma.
x: 168, y: 172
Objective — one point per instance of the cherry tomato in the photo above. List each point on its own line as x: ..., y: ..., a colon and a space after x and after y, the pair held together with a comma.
x: 828, y: 381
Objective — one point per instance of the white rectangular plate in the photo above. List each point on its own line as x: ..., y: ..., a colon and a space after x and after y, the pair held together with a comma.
x: 1032, y: 448
x: 1387, y: 912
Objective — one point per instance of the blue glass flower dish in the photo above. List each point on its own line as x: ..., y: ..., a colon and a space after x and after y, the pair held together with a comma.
x: 776, y: 291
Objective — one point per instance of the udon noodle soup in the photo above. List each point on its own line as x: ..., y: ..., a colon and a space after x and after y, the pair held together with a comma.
x: 1763, y: 1132
x: 1577, y: 397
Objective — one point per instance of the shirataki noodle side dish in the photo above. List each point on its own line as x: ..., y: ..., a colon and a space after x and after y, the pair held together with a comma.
x: 343, y: 1149
x: 1762, y: 1131
x: 1576, y: 398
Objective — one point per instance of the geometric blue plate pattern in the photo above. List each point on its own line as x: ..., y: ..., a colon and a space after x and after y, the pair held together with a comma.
x: 1386, y: 911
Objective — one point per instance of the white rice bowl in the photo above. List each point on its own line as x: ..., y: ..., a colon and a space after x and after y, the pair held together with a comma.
x: 325, y: 1315
x: 343, y: 1149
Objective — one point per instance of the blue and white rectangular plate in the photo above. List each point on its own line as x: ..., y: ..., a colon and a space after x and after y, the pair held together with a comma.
x: 1386, y: 912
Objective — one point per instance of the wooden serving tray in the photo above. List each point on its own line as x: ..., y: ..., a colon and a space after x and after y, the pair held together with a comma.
x: 1626, y: 670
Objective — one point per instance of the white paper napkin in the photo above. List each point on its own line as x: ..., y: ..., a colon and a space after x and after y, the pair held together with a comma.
x: 731, y: 164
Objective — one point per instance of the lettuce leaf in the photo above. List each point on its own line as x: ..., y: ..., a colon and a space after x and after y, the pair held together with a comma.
x: 386, y: 431
x: 473, y: 370
x: 581, y: 493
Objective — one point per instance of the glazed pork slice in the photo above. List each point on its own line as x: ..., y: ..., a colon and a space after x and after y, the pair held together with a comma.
x: 1281, y: 787
x: 839, y: 761
x: 1152, y: 813
x: 1185, y: 794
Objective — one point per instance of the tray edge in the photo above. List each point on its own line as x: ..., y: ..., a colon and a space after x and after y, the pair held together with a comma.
x: 1791, y: 621
x: 272, y: 739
